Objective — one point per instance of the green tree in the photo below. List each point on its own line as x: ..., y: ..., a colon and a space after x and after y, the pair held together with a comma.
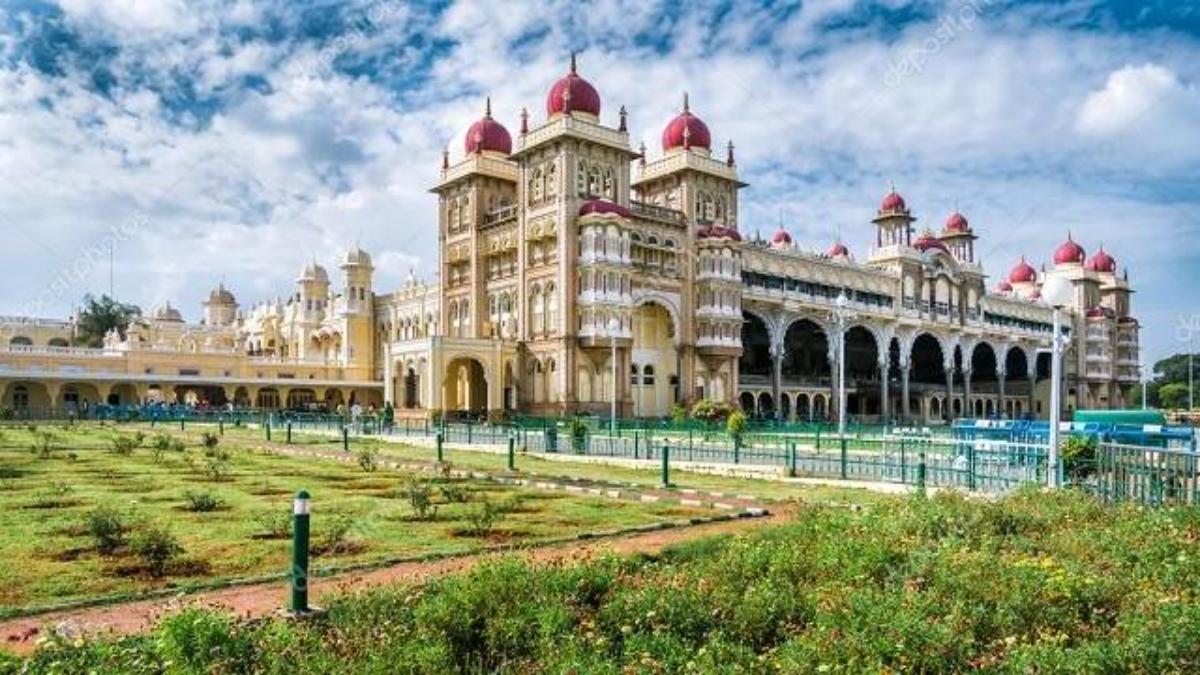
x: 1173, y: 396
x: 100, y: 315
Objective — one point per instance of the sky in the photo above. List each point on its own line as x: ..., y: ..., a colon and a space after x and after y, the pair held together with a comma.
x: 209, y: 141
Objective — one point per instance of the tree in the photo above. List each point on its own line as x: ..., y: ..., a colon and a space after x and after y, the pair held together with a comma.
x: 101, y: 315
x: 1173, y: 396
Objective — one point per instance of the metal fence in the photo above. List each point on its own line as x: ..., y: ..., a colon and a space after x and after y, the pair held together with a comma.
x: 1150, y: 476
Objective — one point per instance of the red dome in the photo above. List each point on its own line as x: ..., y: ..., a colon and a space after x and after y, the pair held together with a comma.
x: 583, y: 96
x: 1101, y: 261
x: 928, y: 241
x: 781, y: 237
x: 892, y: 202
x: 686, y: 131
x: 1023, y: 273
x: 603, y: 207
x: 1003, y: 286
x: 1069, y: 252
x: 957, y: 222
x: 838, y: 250
x: 488, y: 134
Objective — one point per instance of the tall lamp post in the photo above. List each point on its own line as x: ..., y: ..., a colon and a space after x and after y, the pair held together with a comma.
x: 841, y: 315
x: 1056, y: 292
x: 614, y: 325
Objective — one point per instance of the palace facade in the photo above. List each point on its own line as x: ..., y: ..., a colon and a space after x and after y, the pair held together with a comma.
x: 574, y: 267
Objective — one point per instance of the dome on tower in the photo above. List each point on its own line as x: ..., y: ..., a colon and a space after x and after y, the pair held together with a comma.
x: 603, y: 207
x: 1022, y: 273
x: 838, y: 250
x: 927, y: 241
x: 1003, y: 287
x: 893, y: 203
x: 572, y: 93
x: 166, y: 312
x: 1101, y: 261
x: 356, y: 257
x: 686, y: 131
x: 957, y: 223
x: 1069, y: 252
x: 781, y: 238
x: 314, y: 272
x: 221, y: 296
x: 487, y: 135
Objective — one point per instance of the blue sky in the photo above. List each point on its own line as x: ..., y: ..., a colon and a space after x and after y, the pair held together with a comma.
x: 234, y: 139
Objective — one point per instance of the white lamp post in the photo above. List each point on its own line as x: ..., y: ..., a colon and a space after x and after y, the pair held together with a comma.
x: 841, y: 315
x: 1056, y: 292
x: 614, y: 325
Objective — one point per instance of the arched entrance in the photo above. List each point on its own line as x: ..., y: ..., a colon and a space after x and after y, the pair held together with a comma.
x: 654, y: 360
x: 985, y: 388
x: 465, y: 386
x: 862, y: 372
x: 928, y: 374
x: 806, y: 355
x: 746, y: 401
x: 411, y: 397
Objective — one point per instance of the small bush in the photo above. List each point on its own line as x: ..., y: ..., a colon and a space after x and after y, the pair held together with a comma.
x: 53, y: 496
x: 43, y: 445
x: 124, y: 445
x: 156, y: 547
x: 735, y: 426
x: 217, y: 469
x: 420, y: 499
x: 275, y: 524
x: 107, y: 528
x: 368, y: 459
x: 482, y: 518
x: 454, y: 493
x: 202, y: 501
x: 336, y: 538
x: 210, y: 441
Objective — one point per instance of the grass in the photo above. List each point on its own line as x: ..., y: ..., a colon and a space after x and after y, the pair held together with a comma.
x: 1034, y: 582
x: 229, y: 511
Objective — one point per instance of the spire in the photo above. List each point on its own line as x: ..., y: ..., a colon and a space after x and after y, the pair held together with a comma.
x: 729, y: 154
x: 572, y: 61
x: 445, y: 158
x: 686, y: 108
x: 623, y: 126
x: 642, y: 153
x: 524, y: 121
x: 487, y: 108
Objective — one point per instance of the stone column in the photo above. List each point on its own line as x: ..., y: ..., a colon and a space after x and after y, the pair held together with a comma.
x: 1000, y: 386
x: 947, y: 411
x: 883, y: 389
x: 389, y: 375
x: 1032, y: 405
x: 777, y: 378
x: 968, y: 410
x: 905, y: 406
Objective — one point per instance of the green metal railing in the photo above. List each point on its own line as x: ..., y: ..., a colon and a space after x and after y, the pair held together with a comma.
x: 1150, y: 476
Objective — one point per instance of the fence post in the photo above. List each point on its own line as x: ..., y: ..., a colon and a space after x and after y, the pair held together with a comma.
x: 844, y: 458
x: 289, y: 432
x: 181, y: 424
x: 346, y: 438
x: 267, y: 426
x: 666, y: 465
x: 438, y: 442
x: 737, y: 449
x: 512, y: 451
x: 635, y: 443
x: 468, y: 432
x: 300, y: 515
x: 791, y: 448
x: 903, y: 464
x: 818, y: 439
x: 221, y: 426
x: 970, y: 466
x: 921, y: 470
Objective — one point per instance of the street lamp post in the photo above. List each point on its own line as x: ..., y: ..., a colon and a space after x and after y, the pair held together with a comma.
x: 841, y: 315
x: 614, y: 325
x: 1056, y: 292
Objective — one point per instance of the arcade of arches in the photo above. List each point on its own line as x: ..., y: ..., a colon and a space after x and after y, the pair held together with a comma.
x: 922, y: 379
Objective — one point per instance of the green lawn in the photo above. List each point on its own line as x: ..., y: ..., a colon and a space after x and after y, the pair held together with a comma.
x: 51, y: 556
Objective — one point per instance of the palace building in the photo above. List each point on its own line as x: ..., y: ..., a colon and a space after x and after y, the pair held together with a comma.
x: 574, y: 267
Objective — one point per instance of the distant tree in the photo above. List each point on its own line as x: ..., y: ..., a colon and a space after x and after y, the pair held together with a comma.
x: 1173, y: 396
x: 1173, y: 369
x: 100, y: 315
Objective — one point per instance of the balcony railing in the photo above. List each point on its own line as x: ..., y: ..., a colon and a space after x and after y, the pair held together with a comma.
x: 656, y: 212
x: 500, y: 215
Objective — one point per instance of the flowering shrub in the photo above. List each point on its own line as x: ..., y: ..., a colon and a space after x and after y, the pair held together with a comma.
x: 1035, y: 582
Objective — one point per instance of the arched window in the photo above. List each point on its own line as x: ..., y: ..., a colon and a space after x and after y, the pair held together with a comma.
x: 551, y: 308
x: 21, y: 341
x: 633, y: 374
x: 537, y: 310
x: 648, y: 375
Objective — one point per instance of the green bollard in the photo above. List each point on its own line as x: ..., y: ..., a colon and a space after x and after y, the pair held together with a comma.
x: 737, y: 449
x: 438, y: 442
x: 666, y: 465
x: 181, y: 424
x: 346, y: 439
x: 268, y: 428
x: 921, y: 470
x: 221, y: 426
x: 289, y: 433
x: 791, y: 447
x: 300, y: 516
x: 843, y: 458
x: 635, y: 444
x: 512, y: 452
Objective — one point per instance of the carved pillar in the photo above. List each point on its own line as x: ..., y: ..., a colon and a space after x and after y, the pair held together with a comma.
x: 905, y: 406
x: 1000, y: 374
x: 883, y: 389
x: 947, y: 411
x: 389, y: 375
x: 777, y: 378
x: 968, y: 411
x: 1032, y: 390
